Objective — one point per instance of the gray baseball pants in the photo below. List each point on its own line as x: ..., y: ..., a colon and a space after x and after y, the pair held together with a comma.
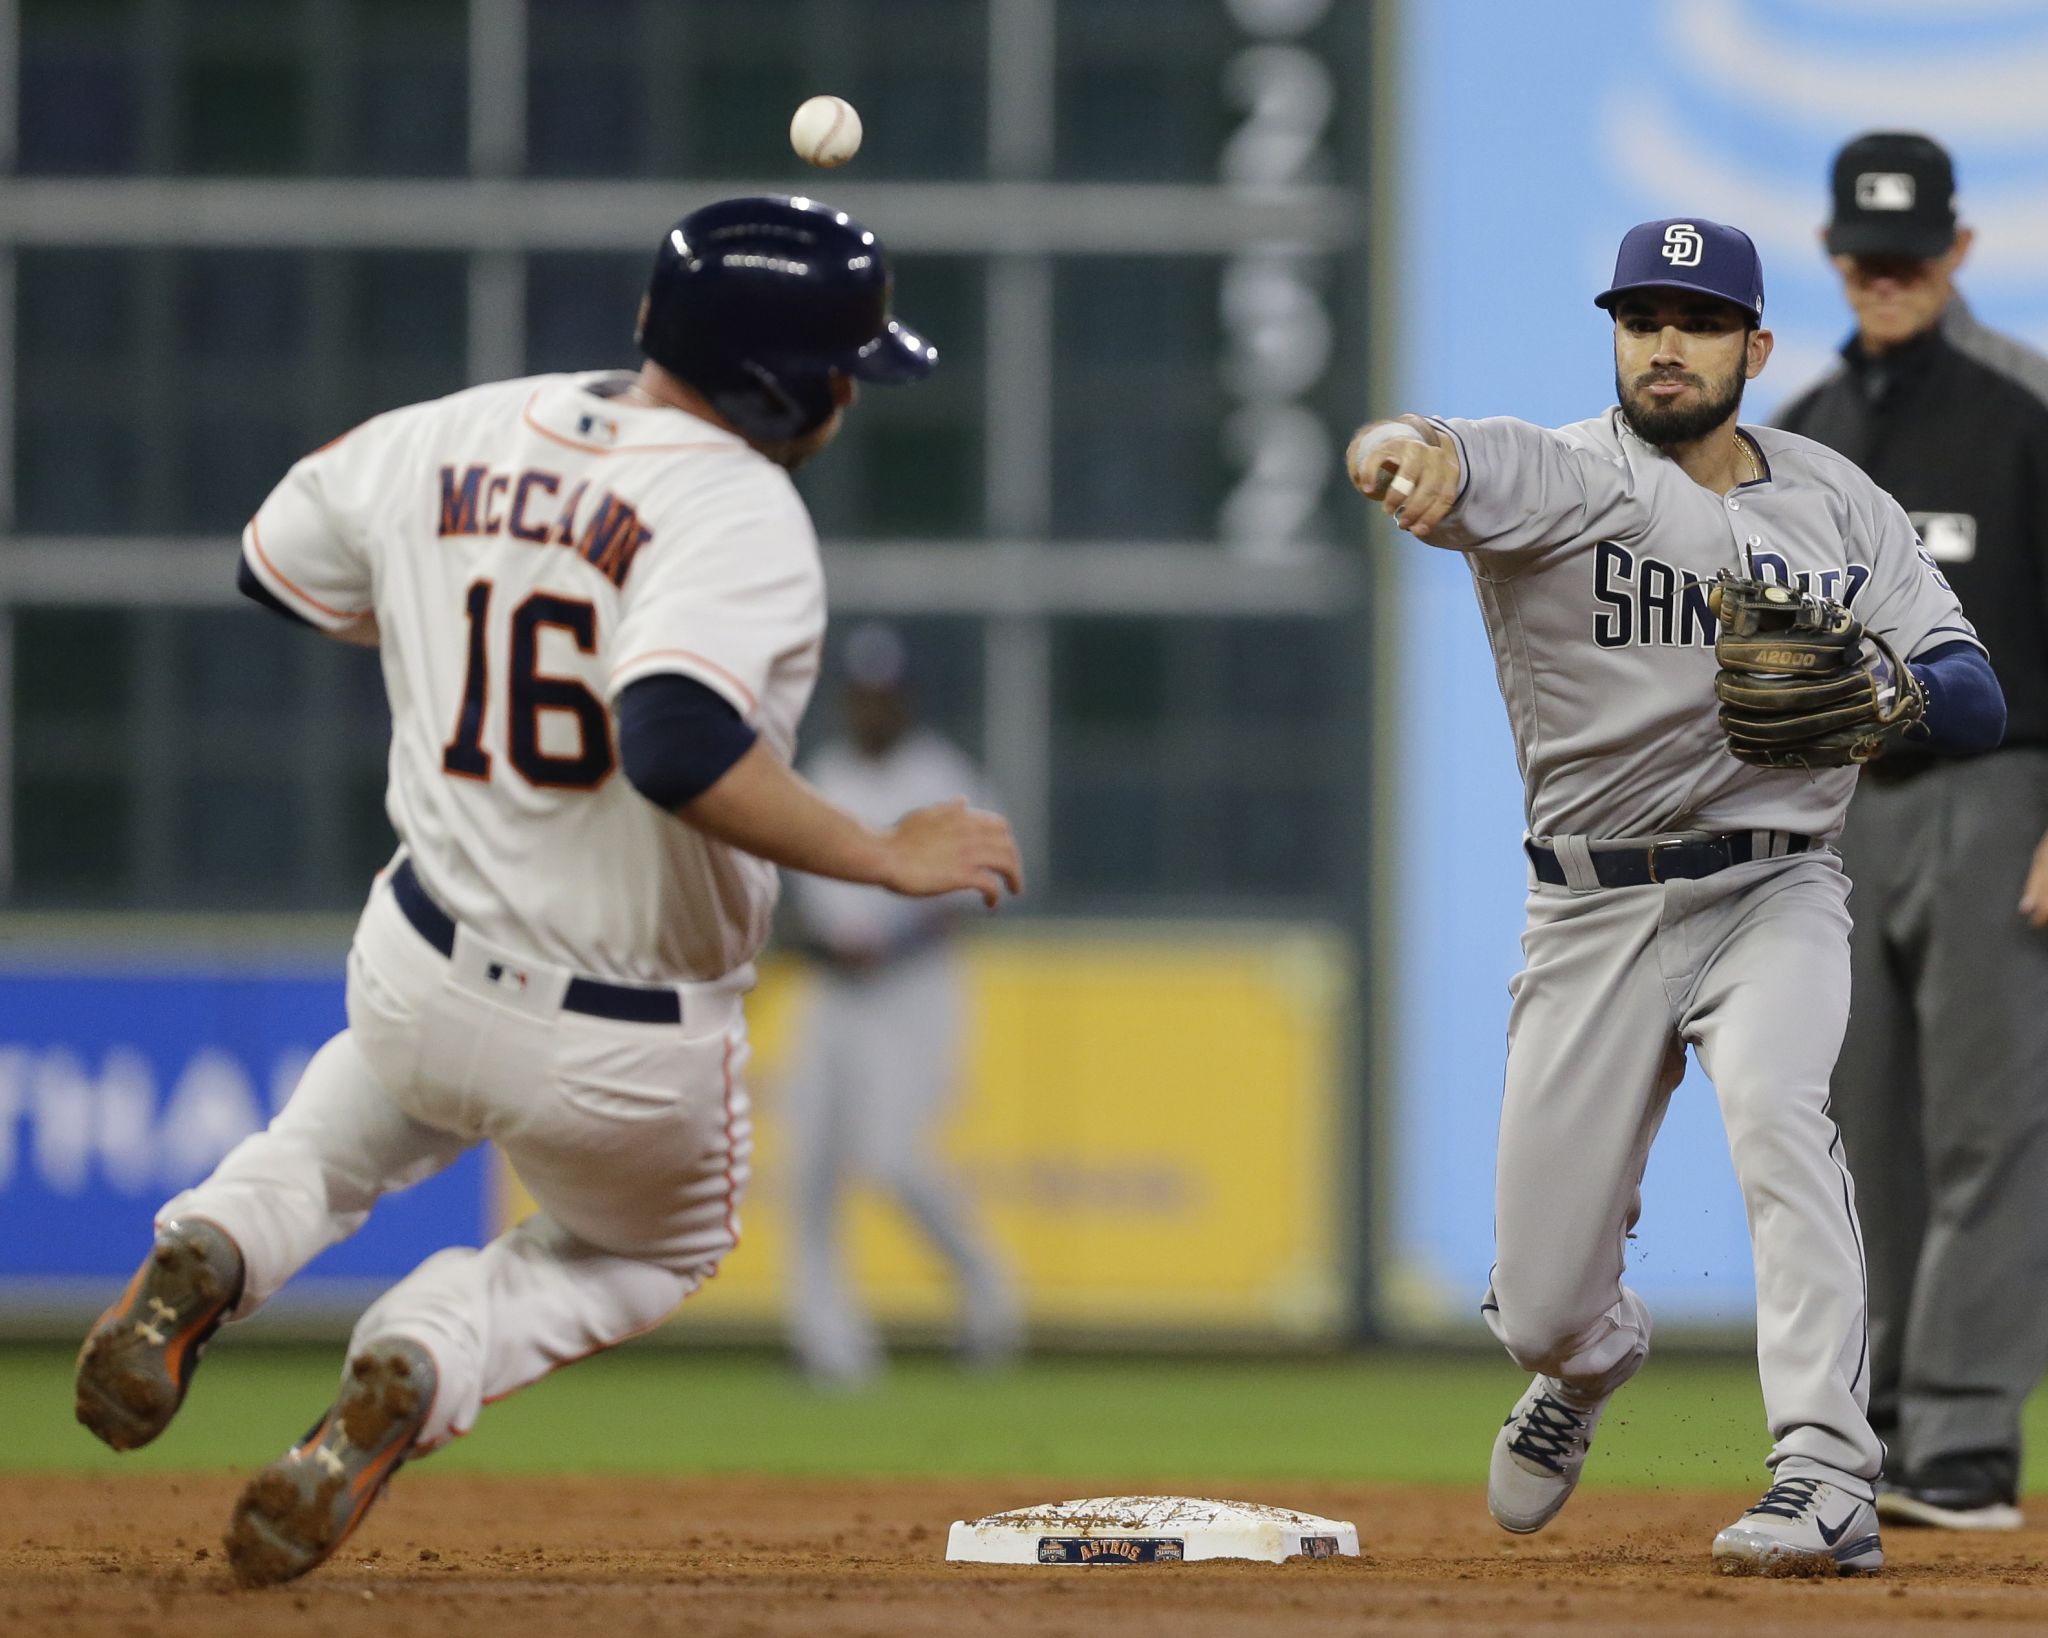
x: 874, y: 1077
x: 1750, y: 967
x: 1942, y: 1092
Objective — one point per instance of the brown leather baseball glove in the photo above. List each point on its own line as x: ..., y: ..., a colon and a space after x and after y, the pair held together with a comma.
x: 1796, y: 688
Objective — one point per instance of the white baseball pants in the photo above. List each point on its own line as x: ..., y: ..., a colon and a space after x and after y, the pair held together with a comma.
x: 1750, y: 967
x: 634, y: 1139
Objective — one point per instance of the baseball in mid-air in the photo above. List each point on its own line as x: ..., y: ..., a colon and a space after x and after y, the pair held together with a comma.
x: 825, y: 131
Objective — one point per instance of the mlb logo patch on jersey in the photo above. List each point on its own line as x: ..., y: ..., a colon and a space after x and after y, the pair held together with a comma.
x: 1950, y: 537
x: 590, y: 425
x: 512, y: 978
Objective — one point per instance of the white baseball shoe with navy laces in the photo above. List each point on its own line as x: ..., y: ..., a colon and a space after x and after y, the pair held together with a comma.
x: 1538, y: 1454
x: 1802, y: 1527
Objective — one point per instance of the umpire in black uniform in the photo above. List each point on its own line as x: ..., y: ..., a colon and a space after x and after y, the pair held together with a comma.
x: 1942, y: 1086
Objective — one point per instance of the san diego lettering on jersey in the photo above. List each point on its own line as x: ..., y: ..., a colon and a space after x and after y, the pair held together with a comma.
x: 528, y: 505
x: 1653, y: 604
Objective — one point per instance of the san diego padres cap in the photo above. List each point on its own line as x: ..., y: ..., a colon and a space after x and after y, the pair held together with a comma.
x: 1688, y: 253
x: 1895, y: 195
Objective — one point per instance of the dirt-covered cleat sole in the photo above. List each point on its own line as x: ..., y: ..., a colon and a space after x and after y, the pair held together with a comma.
x: 139, y: 1357
x: 1802, y: 1527
x: 1744, y: 1552
x: 298, y: 1510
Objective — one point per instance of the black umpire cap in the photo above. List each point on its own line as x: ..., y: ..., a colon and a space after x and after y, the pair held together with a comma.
x: 1895, y: 195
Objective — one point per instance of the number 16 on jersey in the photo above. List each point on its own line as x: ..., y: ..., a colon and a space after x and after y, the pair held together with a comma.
x: 529, y: 693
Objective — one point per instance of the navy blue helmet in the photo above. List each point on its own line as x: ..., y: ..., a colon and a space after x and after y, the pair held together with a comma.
x: 755, y: 302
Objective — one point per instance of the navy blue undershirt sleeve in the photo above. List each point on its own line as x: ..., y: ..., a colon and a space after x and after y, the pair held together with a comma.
x: 250, y: 587
x: 1965, y: 705
x: 678, y: 737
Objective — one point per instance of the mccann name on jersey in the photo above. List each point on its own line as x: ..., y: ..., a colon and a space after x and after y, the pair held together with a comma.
x: 470, y: 526
x: 530, y: 504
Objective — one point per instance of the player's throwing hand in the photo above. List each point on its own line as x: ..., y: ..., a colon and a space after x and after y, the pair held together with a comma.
x: 1409, y: 467
x: 949, y: 847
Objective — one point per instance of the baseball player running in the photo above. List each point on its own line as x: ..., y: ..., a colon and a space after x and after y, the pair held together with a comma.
x: 599, y: 607
x: 1634, y: 570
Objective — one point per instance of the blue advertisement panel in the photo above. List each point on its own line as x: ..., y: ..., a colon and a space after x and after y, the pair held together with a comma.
x: 120, y: 1085
x: 1533, y: 134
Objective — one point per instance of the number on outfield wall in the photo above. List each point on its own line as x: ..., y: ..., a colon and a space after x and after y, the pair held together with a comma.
x: 531, y: 692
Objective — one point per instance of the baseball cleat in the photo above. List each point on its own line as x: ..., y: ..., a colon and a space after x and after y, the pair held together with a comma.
x: 1943, y: 1509
x: 140, y: 1355
x: 299, y: 1509
x: 1538, y: 1455
x: 1802, y: 1527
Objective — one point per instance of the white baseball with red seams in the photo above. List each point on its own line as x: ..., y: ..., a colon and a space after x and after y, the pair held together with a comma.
x: 825, y: 131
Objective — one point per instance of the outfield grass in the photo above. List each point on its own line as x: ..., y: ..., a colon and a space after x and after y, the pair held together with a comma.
x: 1686, y: 1422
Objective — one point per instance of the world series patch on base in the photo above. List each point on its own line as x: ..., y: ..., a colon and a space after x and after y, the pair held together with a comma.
x: 1148, y: 1530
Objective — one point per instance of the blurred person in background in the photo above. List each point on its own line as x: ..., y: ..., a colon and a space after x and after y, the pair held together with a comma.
x: 1941, y: 1090
x: 879, y: 1060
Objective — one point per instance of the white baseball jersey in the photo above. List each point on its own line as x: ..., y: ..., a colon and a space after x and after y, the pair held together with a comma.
x: 1592, y: 552
x: 920, y: 769
x: 529, y: 548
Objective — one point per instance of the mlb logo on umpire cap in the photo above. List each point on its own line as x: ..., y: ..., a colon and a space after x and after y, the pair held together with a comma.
x: 1895, y: 195
x: 1885, y: 190
x: 1688, y: 253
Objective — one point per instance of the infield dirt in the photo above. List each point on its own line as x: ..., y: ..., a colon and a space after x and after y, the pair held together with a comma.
x: 518, y: 1558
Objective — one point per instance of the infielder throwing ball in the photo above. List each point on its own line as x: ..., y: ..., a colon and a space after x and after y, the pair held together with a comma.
x: 1678, y: 609
x: 600, y: 609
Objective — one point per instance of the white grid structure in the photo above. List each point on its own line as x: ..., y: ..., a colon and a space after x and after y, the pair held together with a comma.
x: 1020, y: 221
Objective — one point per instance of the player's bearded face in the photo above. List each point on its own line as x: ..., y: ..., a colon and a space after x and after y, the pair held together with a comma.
x: 1667, y: 421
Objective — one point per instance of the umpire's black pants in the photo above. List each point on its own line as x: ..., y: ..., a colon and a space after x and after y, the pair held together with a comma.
x: 1941, y: 1092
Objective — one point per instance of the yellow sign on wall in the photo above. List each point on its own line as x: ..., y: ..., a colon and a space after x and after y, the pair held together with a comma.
x: 1151, y: 1128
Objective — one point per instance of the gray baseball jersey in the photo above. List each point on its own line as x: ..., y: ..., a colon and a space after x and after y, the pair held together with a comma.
x: 1592, y: 553
x: 875, y: 1071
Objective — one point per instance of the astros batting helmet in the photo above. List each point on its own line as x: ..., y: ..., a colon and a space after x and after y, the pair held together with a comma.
x: 758, y: 302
